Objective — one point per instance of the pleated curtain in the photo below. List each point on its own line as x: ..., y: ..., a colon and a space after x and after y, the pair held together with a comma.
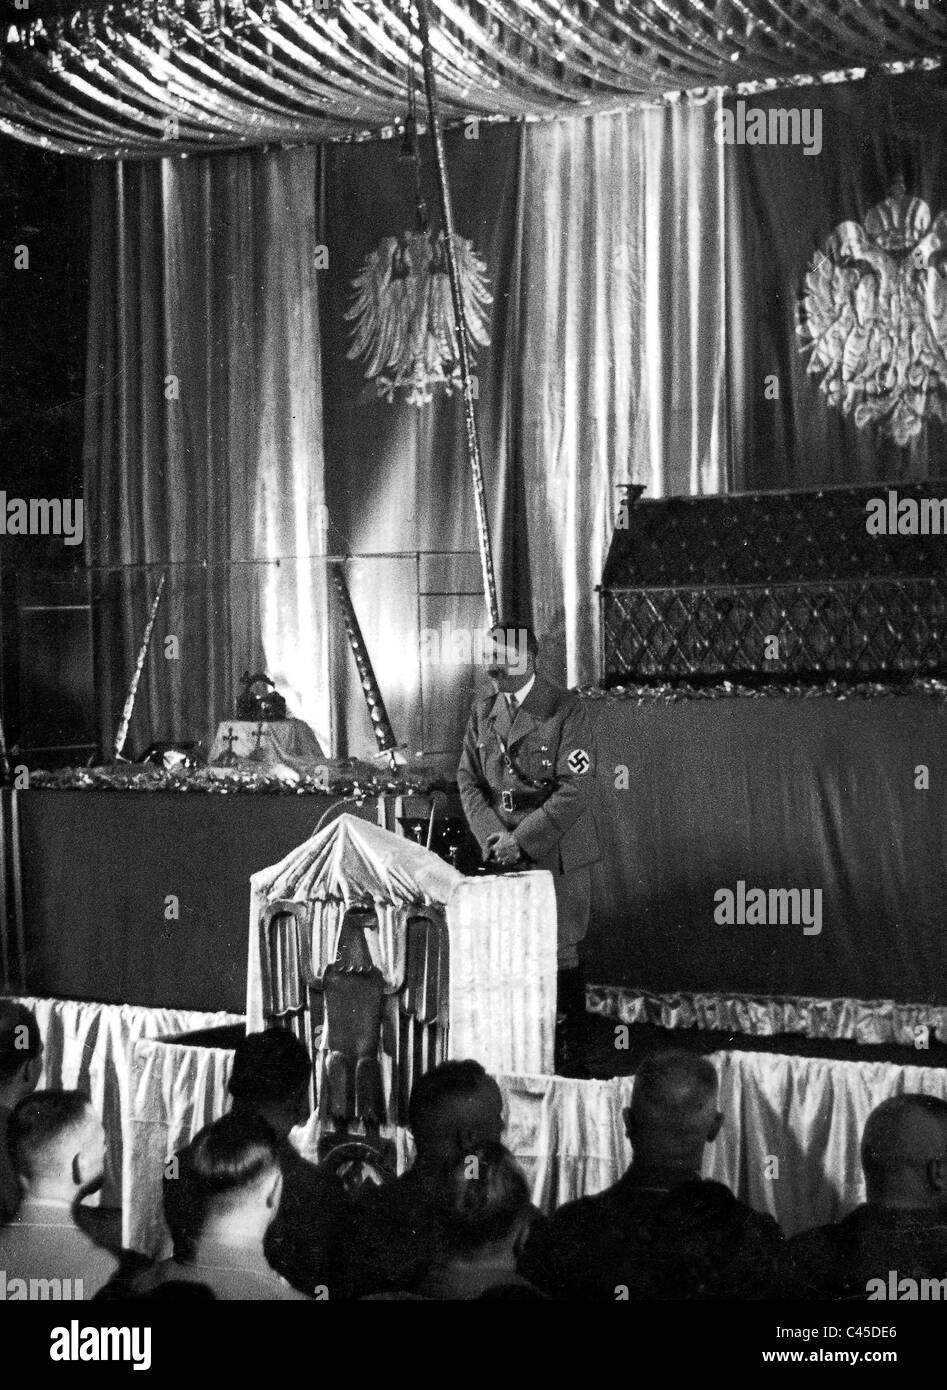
x: 225, y: 416
x: 203, y: 450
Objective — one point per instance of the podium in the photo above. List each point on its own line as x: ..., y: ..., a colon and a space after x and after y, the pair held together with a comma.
x: 452, y: 966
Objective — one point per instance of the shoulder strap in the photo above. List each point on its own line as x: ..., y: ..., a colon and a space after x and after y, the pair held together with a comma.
x: 513, y: 765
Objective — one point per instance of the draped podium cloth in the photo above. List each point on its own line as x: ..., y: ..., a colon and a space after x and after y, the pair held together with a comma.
x: 568, y: 1135
x: 501, y: 931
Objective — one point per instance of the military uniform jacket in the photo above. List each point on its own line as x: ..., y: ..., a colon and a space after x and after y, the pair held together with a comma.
x: 550, y: 739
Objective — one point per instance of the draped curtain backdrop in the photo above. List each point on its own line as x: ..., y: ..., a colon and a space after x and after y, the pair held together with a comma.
x: 645, y: 280
x: 622, y: 369
x: 204, y: 437
x: 604, y: 240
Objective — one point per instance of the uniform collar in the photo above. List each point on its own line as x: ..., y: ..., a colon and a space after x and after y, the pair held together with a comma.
x: 539, y: 700
x: 518, y: 696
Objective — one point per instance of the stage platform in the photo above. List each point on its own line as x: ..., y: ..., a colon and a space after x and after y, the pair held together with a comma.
x: 100, y: 868
x: 694, y: 795
x: 779, y: 791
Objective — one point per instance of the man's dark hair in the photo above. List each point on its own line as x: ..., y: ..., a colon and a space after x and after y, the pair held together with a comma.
x: 223, y: 1160
x: 481, y: 1197
x: 17, y: 1025
x: 269, y: 1068
x: 39, y: 1121
x: 518, y: 634
x: 231, y: 1154
x: 674, y: 1080
x: 455, y: 1078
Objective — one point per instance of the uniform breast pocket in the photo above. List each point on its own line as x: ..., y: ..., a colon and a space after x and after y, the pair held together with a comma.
x: 538, y: 759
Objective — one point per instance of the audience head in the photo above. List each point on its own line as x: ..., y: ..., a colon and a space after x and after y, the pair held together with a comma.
x: 57, y: 1145
x: 21, y: 1052
x: 230, y: 1184
x: 484, y: 1206
x: 454, y: 1108
x: 673, y: 1113
x: 270, y: 1077
x: 509, y: 654
x: 904, y: 1153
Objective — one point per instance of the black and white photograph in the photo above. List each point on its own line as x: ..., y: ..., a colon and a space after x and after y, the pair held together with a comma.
x: 473, y: 674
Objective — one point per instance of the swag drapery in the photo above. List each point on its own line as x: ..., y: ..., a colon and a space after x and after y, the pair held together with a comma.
x: 645, y: 283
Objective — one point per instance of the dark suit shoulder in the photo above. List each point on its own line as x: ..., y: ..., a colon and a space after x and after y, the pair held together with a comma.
x: 549, y: 701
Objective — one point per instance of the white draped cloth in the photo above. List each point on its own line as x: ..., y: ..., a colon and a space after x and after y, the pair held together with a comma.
x: 502, y: 933
x: 568, y: 1135
x: 806, y: 1113
x: 86, y: 1047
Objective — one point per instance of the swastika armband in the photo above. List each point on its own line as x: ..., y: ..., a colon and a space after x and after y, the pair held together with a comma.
x: 578, y: 761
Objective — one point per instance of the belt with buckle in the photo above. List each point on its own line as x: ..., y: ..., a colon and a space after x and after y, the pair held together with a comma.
x: 521, y: 801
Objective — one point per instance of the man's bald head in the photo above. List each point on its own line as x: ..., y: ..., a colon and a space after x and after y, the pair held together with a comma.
x: 904, y: 1152
x: 673, y: 1111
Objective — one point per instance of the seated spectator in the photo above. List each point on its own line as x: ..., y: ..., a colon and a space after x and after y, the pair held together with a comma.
x: 606, y: 1247
x: 57, y: 1144
x: 21, y: 1061
x: 902, y: 1227
x: 485, y: 1214
x: 230, y: 1187
x: 270, y: 1078
x: 393, y: 1237
x: 705, y: 1244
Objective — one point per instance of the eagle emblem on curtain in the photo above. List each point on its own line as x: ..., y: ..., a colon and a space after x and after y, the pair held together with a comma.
x: 874, y: 317
x: 403, y: 317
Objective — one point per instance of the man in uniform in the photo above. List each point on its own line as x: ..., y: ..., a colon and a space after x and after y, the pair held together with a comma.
x: 525, y: 778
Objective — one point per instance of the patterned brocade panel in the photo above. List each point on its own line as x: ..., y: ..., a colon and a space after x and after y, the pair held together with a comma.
x: 850, y: 628
x: 700, y: 586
